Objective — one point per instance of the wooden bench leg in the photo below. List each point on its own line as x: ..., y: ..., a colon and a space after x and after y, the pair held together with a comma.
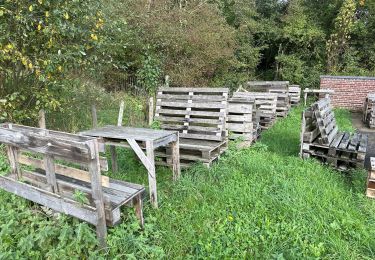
x: 175, y: 147
x: 138, y: 205
x: 152, y: 174
x: 112, y: 149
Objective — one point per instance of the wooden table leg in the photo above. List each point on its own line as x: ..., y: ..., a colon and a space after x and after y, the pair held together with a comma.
x: 152, y: 174
x: 112, y: 149
x: 175, y: 147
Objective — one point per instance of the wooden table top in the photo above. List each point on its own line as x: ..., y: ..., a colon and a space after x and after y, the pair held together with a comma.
x: 138, y: 134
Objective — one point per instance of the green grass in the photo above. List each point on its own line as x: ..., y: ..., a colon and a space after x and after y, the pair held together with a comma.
x: 261, y: 202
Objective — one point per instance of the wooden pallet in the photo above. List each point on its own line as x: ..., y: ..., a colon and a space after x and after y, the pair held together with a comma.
x: 278, y: 87
x: 39, y: 173
x: 370, y: 190
x: 369, y: 110
x: 320, y: 139
x: 199, y: 114
x: 295, y: 94
x: 265, y: 103
x: 240, y: 118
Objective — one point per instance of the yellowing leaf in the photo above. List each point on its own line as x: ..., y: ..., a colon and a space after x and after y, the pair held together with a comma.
x: 47, y: 14
x: 31, y: 8
x: 39, y: 27
x: 66, y: 16
x: 40, y: 2
x: 94, y: 37
x: 30, y: 65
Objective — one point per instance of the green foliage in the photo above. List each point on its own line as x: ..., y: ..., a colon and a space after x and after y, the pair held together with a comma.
x: 259, y: 202
x: 80, y: 197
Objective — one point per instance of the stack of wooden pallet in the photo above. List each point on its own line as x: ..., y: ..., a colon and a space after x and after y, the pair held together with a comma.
x: 243, y: 120
x: 265, y: 105
x: 370, y: 191
x: 199, y: 114
x: 294, y: 94
x: 278, y: 87
x: 321, y: 139
x: 368, y: 111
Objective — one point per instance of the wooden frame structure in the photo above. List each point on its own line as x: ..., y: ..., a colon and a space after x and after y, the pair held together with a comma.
x: 321, y: 139
x: 322, y: 93
x: 37, y: 174
x: 265, y: 103
x: 199, y: 115
x: 295, y: 94
x: 240, y: 119
x: 368, y: 111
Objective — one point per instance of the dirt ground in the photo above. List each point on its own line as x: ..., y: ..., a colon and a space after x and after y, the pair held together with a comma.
x: 358, y: 124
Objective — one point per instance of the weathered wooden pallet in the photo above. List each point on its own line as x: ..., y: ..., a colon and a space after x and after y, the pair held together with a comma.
x: 294, y: 94
x: 199, y: 115
x: 38, y: 173
x: 265, y: 103
x: 370, y: 190
x: 277, y: 87
x: 368, y: 110
x: 191, y: 151
x: 240, y: 118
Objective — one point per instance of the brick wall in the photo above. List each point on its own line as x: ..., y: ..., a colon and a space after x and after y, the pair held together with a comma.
x: 350, y: 92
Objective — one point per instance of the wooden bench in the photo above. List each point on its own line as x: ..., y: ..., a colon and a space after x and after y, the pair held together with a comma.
x: 199, y: 115
x: 265, y: 104
x: 294, y: 94
x: 63, y: 172
x: 321, y: 139
x: 281, y: 88
x: 368, y: 110
x: 370, y: 190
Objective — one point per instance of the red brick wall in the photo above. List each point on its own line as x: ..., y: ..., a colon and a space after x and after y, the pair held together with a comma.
x: 350, y: 92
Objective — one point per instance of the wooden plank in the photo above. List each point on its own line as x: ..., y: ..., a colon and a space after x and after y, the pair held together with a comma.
x: 94, y: 116
x: 214, y: 98
x: 62, y: 170
x: 121, y: 113
x: 195, y: 90
x: 49, y: 199
x: 13, y: 157
x: 345, y: 141
x: 45, y: 145
x: 97, y: 195
x: 152, y: 174
x: 175, y: 148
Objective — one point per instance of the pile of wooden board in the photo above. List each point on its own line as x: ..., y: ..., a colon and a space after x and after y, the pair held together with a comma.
x: 370, y: 191
x: 243, y: 119
x: 368, y: 111
x: 321, y: 139
x: 49, y: 168
x: 294, y: 94
x: 265, y: 106
x: 281, y: 88
x: 199, y: 115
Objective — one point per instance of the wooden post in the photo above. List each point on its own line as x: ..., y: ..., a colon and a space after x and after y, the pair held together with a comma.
x: 152, y: 174
x: 94, y: 117
x: 167, y: 81
x: 13, y: 155
x: 120, y: 113
x: 150, y: 111
x: 175, y: 147
x: 42, y: 119
x: 48, y: 160
x: 113, y: 152
x: 97, y: 194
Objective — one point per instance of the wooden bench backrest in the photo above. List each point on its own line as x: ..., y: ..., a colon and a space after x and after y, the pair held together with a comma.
x: 326, y: 121
x: 197, y: 113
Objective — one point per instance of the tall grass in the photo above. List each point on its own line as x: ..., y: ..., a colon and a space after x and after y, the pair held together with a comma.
x: 261, y: 202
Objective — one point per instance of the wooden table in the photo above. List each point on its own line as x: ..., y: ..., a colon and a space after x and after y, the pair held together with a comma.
x: 325, y: 92
x: 134, y: 138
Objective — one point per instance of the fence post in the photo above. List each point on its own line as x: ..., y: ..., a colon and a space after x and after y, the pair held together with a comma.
x: 167, y: 81
x: 121, y: 113
x: 150, y: 111
x: 94, y: 116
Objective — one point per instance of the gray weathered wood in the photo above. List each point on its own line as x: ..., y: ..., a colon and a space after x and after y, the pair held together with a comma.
x: 152, y: 174
x: 120, y: 113
x: 94, y: 116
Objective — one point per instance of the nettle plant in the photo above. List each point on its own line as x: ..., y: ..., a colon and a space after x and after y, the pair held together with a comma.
x: 40, y: 43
